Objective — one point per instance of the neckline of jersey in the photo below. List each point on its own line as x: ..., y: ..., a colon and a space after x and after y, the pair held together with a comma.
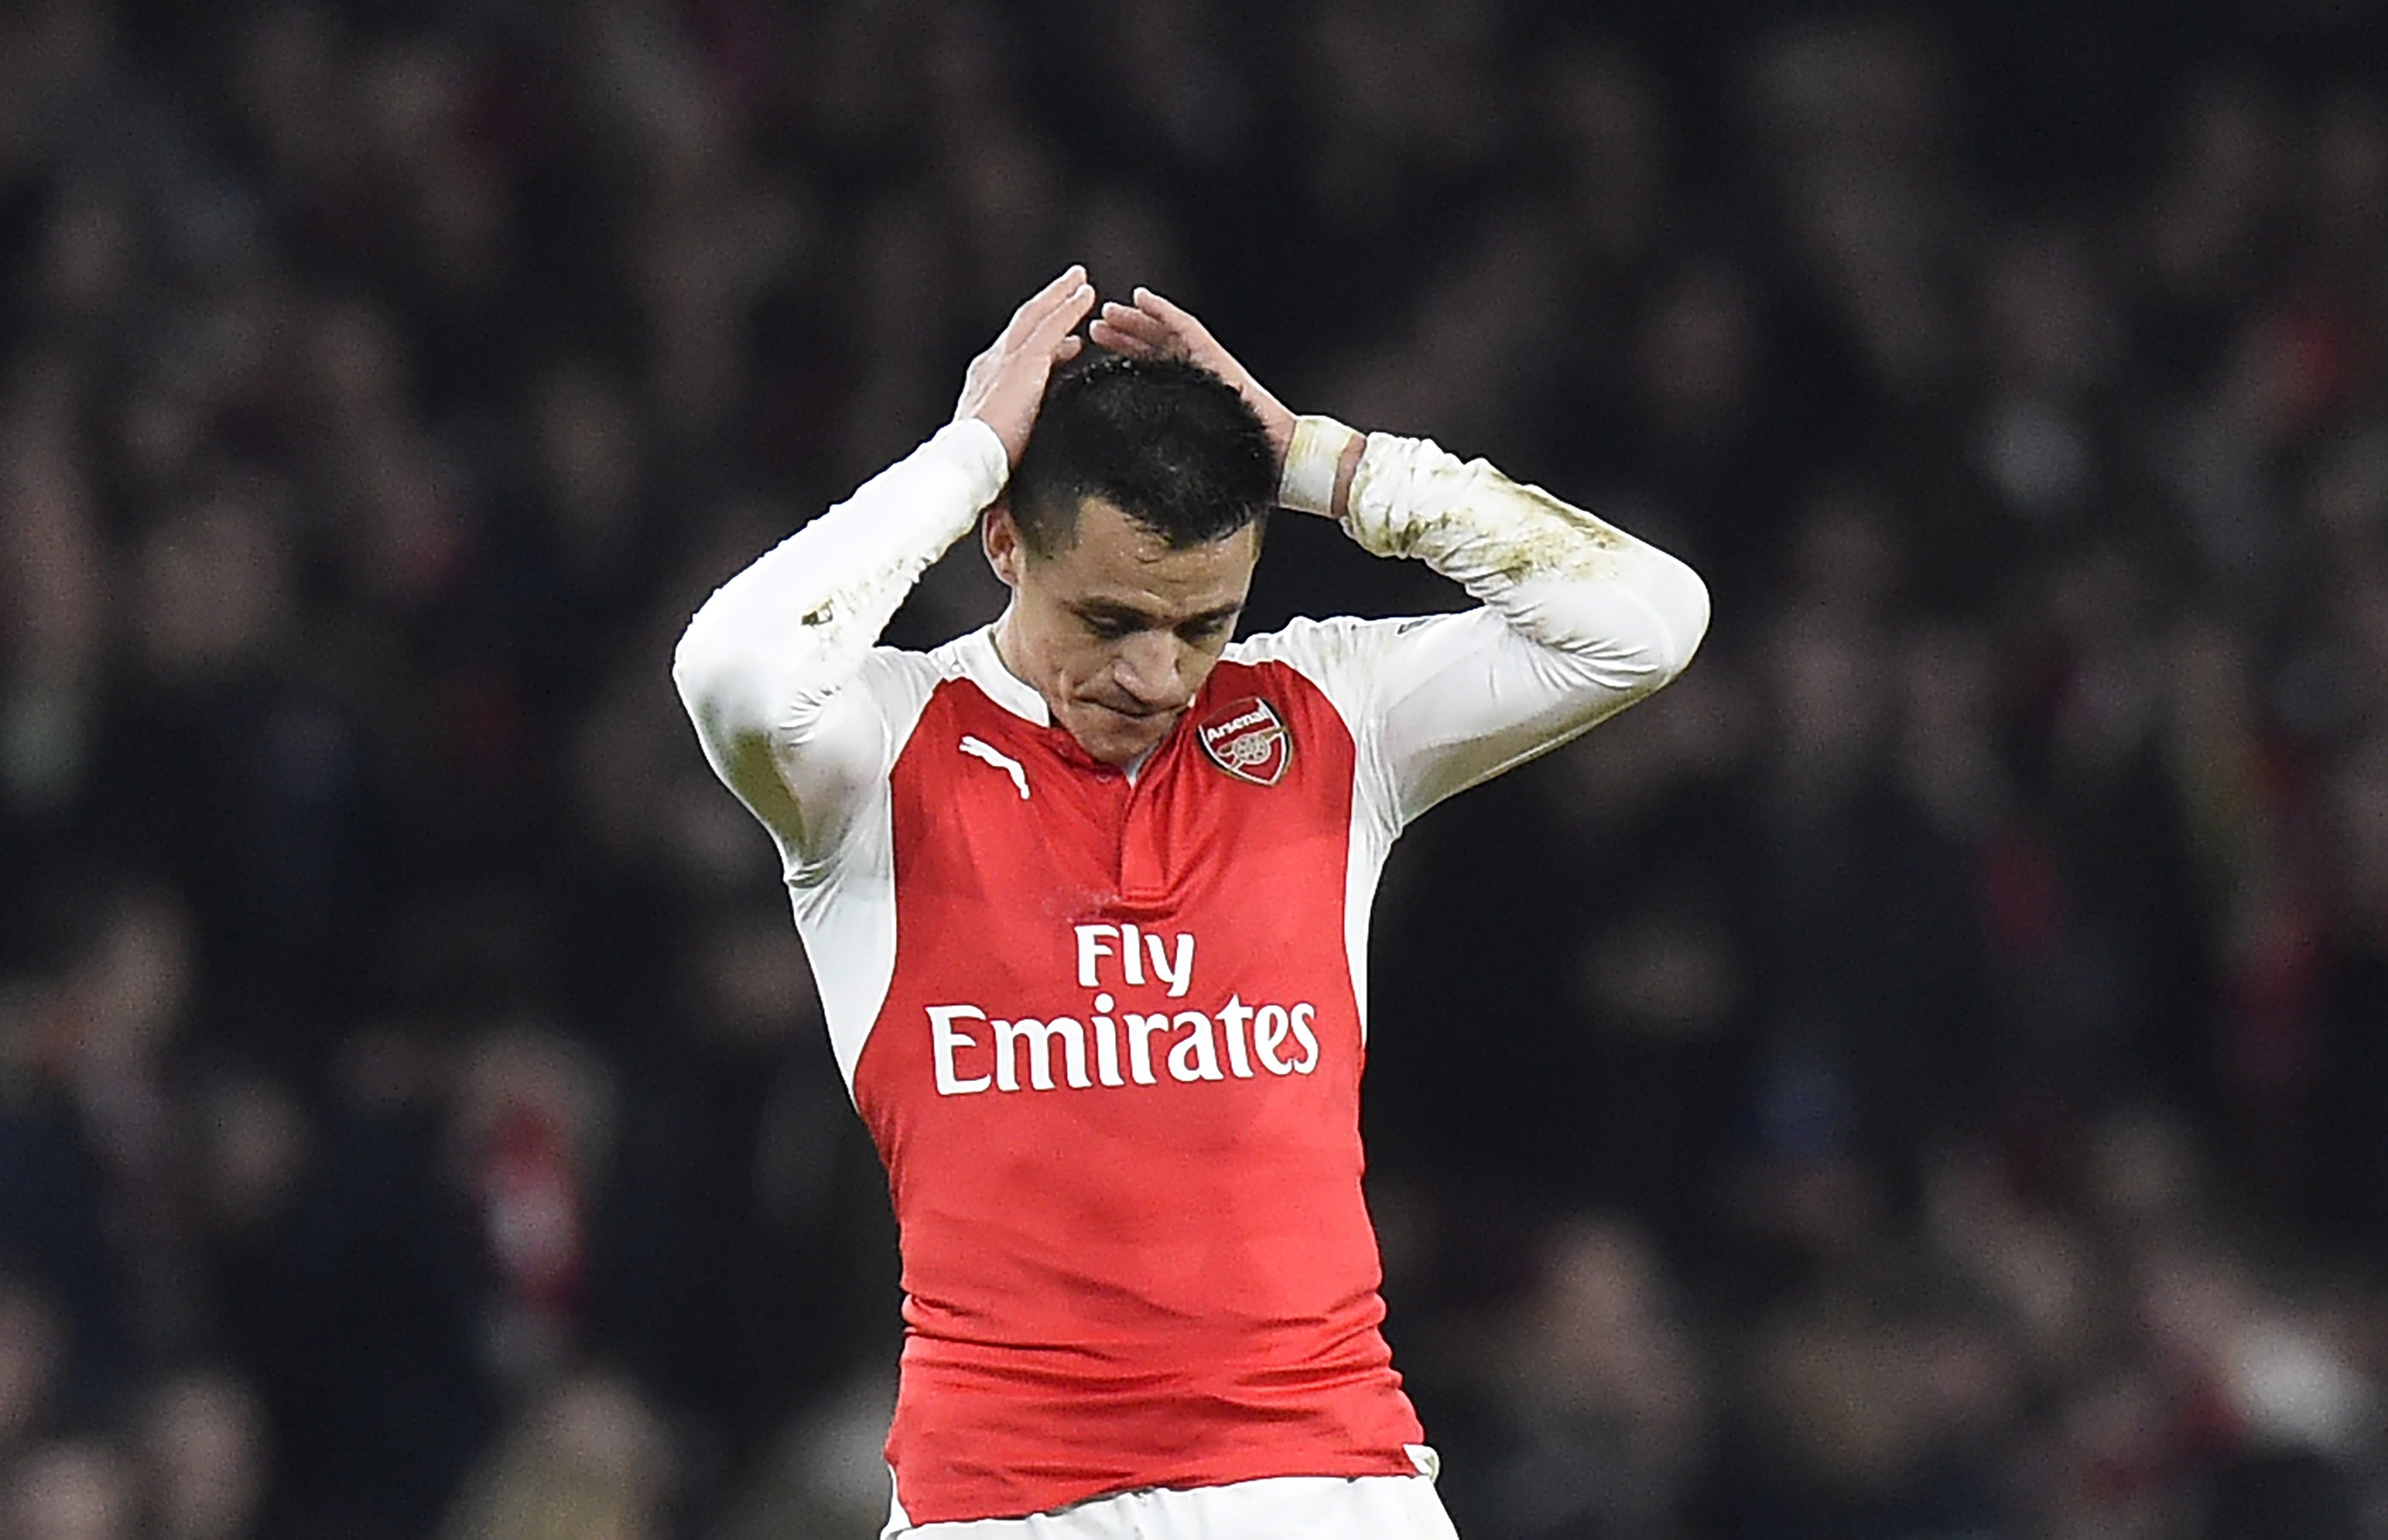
x: 983, y: 664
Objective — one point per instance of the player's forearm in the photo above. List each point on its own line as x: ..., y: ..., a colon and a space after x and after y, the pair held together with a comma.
x: 1562, y: 577
x: 777, y: 642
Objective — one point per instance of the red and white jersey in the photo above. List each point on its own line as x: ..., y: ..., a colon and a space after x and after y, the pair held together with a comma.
x: 1105, y: 1029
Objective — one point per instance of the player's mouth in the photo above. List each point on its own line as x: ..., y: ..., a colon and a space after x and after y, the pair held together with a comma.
x: 1136, y: 713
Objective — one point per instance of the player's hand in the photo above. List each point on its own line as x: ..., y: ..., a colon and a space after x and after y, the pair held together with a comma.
x: 1152, y: 327
x: 1006, y: 382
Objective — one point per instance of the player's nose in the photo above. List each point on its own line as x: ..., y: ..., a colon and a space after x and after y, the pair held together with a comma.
x: 1151, y: 670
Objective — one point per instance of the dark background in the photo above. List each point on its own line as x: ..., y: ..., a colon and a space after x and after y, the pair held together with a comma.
x: 1923, y: 1075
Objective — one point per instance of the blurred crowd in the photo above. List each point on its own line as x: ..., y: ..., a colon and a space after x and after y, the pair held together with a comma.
x: 1922, y: 1076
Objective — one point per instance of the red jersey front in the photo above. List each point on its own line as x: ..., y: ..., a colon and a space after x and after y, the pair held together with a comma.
x: 1116, y: 1085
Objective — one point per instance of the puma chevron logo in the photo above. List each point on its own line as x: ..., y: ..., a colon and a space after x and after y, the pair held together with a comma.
x: 977, y: 748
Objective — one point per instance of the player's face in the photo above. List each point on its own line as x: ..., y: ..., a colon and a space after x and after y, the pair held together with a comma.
x: 1117, y: 631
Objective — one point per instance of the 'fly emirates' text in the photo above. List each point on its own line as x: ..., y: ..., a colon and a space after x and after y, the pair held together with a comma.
x: 975, y: 1051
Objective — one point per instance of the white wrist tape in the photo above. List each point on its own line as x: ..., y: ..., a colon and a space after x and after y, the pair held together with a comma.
x: 1307, y: 484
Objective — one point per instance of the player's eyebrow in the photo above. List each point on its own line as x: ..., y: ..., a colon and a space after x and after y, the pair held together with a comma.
x: 1115, y: 613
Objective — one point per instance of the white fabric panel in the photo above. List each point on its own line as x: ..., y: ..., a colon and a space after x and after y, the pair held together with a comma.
x: 1276, y: 1507
x: 845, y: 902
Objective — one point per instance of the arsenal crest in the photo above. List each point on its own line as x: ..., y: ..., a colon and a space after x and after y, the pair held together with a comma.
x: 1248, y: 741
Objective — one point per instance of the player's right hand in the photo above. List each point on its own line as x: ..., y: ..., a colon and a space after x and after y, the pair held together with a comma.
x: 1006, y: 382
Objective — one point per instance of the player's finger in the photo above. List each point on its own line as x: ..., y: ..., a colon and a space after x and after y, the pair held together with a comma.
x: 1035, y: 308
x: 1167, y: 334
x: 1039, y: 323
x: 1060, y: 318
x: 1119, y: 339
x: 1134, y: 332
x: 1171, y: 315
x: 1071, y: 308
x: 1047, y: 304
x: 1069, y: 348
x: 1135, y: 323
x: 1061, y: 284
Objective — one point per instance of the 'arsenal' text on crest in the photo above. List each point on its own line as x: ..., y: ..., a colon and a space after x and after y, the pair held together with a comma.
x: 1247, y: 738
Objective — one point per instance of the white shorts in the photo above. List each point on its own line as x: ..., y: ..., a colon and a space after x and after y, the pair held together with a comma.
x: 1276, y: 1507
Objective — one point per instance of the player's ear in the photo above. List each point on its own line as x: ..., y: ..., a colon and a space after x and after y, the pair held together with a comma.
x: 999, y: 536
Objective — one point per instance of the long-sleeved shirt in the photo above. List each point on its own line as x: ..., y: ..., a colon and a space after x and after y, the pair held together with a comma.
x: 1106, y: 1031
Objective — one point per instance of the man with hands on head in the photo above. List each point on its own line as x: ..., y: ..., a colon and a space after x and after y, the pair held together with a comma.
x: 1087, y: 894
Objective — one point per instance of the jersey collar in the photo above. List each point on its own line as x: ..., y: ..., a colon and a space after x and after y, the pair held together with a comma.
x: 982, y: 666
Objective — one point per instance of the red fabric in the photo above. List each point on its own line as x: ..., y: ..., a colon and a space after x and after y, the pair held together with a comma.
x: 1119, y: 1286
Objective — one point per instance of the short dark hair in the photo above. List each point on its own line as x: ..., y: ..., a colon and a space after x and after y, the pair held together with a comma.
x: 1167, y: 443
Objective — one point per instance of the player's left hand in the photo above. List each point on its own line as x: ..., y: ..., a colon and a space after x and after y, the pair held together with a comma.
x: 1152, y: 327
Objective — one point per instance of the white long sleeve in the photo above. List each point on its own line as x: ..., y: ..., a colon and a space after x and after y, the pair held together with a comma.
x: 764, y: 666
x: 1580, y: 621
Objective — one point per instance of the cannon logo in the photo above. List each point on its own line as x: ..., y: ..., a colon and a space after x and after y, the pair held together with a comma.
x: 1248, y: 741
